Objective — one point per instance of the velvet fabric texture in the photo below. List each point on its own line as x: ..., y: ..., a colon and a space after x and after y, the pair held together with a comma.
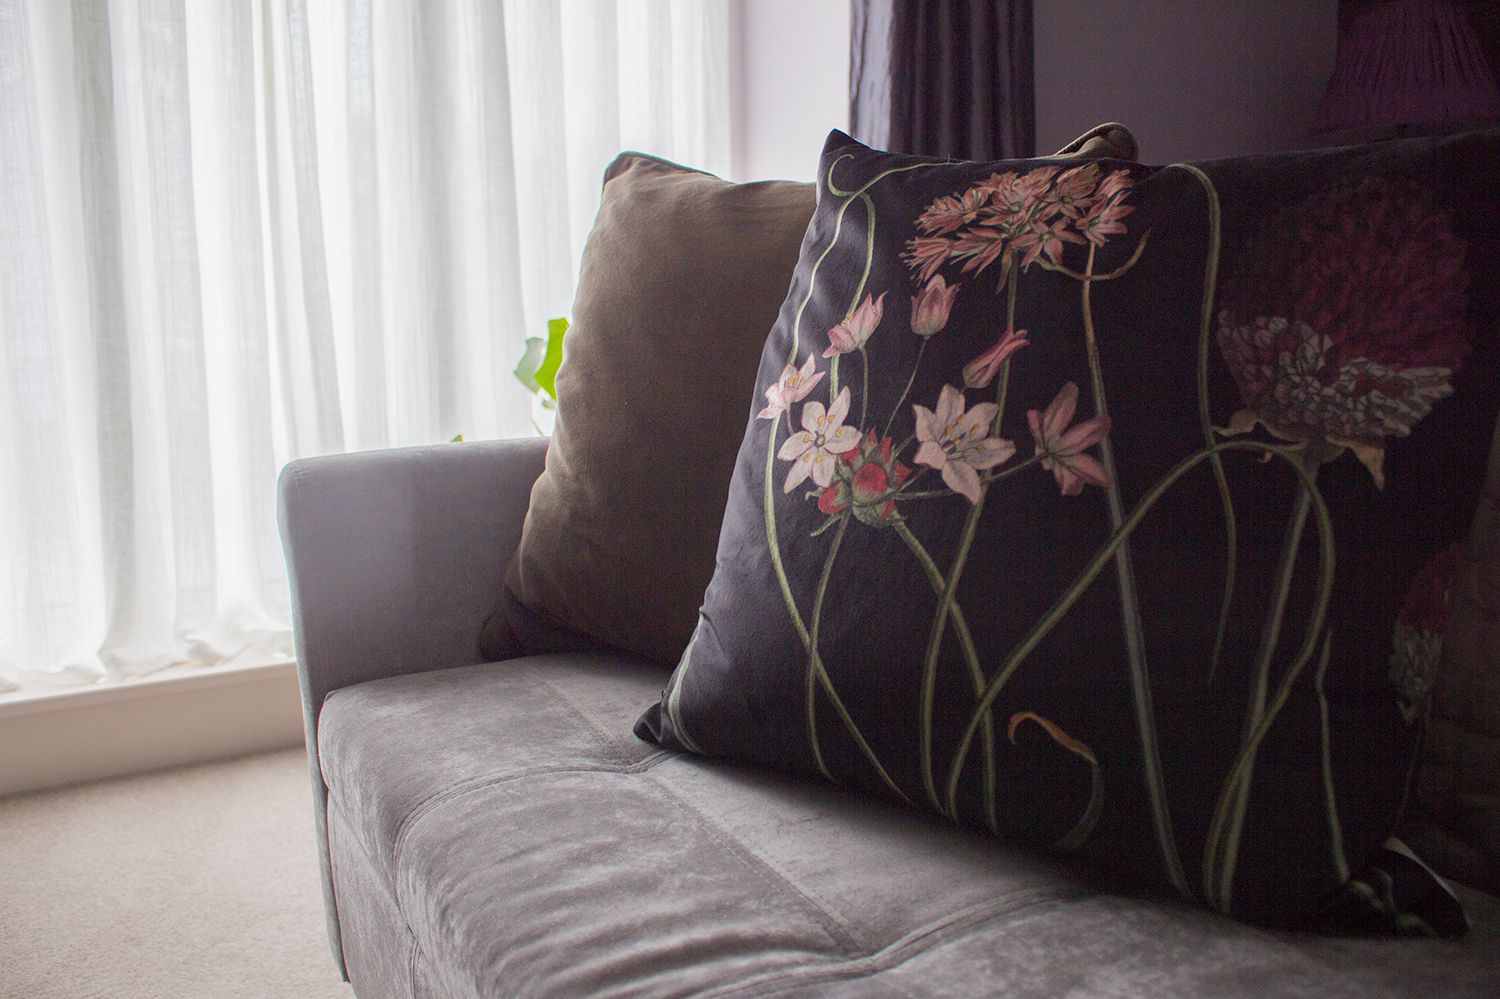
x: 496, y: 831
x: 1116, y: 509
x: 682, y: 278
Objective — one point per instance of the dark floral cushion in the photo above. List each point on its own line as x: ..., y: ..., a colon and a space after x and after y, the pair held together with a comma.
x: 1114, y: 509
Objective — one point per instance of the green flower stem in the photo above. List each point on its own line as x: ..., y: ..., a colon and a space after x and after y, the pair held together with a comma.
x: 1226, y: 499
x: 1088, y: 276
x: 838, y: 226
x: 786, y: 595
x: 1130, y: 607
x: 1243, y: 761
x: 1335, y: 827
x: 906, y: 391
x: 946, y: 601
x: 1102, y: 557
x: 1222, y: 850
x: 864, y: 277
x: 971, y: 658
x: 815, y: 661
x: 812, y: 646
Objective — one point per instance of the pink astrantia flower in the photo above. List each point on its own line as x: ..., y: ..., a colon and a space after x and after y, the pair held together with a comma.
x: 856, y: 328
x: 979, y: 372
x: 814, y: 450
x: 1062, y: 447
x: 792, y: 387
x: 958, y: 443
x: 931, y: 305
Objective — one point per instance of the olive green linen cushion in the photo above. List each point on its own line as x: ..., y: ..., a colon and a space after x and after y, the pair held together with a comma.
x: 681, y: 278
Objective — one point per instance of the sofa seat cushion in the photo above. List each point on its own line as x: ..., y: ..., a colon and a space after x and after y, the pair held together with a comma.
x: 393, y: 749
x: 534, y: 847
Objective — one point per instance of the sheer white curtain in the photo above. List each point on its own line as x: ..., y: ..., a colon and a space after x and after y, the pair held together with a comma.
x: 233, y: 232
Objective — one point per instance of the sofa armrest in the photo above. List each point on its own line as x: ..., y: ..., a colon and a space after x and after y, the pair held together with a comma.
x: 396, y: 557
x: 395, y: 560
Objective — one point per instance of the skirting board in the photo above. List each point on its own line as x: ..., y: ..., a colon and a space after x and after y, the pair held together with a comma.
x: 110, y: 731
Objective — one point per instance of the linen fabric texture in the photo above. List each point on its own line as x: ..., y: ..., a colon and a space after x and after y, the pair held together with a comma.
x: 1117, y: 509
x: 681, y: 277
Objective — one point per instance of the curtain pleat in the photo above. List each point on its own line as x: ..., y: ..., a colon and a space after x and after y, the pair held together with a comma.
x: 943, y: 77
x: 234, y: 232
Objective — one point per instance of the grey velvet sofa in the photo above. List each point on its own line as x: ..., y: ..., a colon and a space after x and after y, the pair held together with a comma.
x: 494, y: 829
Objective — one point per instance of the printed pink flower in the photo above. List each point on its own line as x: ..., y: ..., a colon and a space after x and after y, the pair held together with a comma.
x: 1116, y: 182
x: 1063, y: 448
x: 1035, y: 214
x: 981, y: 246
x: 1343, y: 322
x: 931, y: 305
x: 1048, y: 238
x: 866, y: 481
x: 1074, y: 191
x: 1103, y: 220
x: 792, y: 387
x: 856, y: 328
x: 958, y: 443
x: 814, y: 450
x: 1418, y: 642
x: 1012, y: 193
x: 926, y: 254
x: 950, y: 212
x: 979, y: 372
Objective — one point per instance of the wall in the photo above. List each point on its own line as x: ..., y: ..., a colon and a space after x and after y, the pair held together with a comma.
x: 788, y: 84
x: 1194, y: 79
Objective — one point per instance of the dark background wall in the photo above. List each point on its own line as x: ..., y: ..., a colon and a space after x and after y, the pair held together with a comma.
x: 1194, y: 79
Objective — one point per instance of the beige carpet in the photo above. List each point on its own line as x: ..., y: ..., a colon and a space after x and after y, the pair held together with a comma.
x: 200, y: 882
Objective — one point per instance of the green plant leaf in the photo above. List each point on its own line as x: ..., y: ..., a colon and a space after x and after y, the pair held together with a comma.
x: 546, y: 374
x: 530, y: 363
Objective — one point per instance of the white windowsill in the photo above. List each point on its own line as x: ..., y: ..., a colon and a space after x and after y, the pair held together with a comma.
x: 50, y: 736
x: 176, y: 679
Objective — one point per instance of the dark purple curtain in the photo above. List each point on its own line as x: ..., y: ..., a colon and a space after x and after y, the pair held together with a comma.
x: 943, y: 77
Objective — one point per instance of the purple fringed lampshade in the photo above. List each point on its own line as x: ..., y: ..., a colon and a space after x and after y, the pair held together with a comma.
x: 1407, y: 66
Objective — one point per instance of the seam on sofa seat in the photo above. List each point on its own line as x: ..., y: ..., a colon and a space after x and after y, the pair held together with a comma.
x: 848, y: 937
x: 606, y: 740
x: 605, y: 736
x: 357, y: 840
x: 426, y: 806
x: 913, y: 945
x: 839, y: 932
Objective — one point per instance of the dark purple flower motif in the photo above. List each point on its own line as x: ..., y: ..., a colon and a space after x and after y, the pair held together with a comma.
x: 1418, y: 641
x: 1344, y: 322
